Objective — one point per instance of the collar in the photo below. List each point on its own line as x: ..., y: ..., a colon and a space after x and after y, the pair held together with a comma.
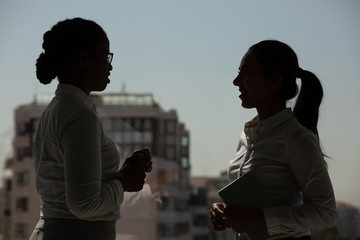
x: 69, y: 89
x: 254, y: 127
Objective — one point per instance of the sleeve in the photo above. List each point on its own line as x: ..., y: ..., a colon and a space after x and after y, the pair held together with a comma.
x: 309, y: 168
x: 87, y: 196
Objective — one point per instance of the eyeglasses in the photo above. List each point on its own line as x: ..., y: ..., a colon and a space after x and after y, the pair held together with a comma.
x: 109, y: 57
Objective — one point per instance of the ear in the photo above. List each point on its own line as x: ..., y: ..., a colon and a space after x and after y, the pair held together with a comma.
x: 275, y: 80
x: 82, y: 57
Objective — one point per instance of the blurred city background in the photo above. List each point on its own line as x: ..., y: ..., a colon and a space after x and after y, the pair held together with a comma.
x: 171, y: 90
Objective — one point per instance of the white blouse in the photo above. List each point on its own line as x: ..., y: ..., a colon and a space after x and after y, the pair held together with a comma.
x: 75, y: 162
x: 287, y: 159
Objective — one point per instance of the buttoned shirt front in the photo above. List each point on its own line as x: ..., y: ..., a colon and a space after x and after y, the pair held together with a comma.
x: 288, y: 161
x: 75, y: 162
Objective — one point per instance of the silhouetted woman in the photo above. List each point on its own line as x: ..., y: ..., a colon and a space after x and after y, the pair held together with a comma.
x: 76, y: 164
x: 281, y: 146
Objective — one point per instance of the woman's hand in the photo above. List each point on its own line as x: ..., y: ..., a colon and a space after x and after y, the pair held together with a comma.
x: 217, y: 216
x: 132, y: 174
x: 242, y: 219
x: 132, y: 177
x: 142, y: 158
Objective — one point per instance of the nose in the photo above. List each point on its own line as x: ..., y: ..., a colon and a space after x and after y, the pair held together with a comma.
x: 236, y: 81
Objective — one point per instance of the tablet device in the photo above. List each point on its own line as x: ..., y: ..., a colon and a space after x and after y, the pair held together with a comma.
x: 248, y: 191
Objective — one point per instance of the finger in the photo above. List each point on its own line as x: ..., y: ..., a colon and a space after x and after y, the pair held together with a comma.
x: 142, y: 153
x: 147, y: 153
x: 212, y: 214
x: 148, y: 167
x: 218, y: 211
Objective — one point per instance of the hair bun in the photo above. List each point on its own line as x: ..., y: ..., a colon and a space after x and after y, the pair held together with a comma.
x: 300, y: 73
x: 45, y: 69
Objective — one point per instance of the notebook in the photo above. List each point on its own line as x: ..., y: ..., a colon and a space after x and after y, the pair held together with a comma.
x: 247, y: 190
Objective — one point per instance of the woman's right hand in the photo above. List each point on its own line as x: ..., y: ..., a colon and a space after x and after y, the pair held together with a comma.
x: 217, y: 216
x: 132, y: 177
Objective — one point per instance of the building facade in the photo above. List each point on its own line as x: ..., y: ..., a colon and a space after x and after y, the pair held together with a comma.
x: 133, y: 121
x: 204, y: 193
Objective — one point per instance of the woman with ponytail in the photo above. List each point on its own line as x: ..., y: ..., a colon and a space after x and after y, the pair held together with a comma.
x: 281, y: 146
x: 76, y: 164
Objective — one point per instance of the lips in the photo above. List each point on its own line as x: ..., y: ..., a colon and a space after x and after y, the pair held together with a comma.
x: 243, y: 92
x: 244, y: 96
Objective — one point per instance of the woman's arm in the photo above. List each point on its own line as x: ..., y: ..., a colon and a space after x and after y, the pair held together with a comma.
x: 318, y: 210
x: 87, y: 196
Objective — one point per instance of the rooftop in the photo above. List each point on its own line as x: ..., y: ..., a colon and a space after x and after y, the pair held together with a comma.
x: 107, y: 99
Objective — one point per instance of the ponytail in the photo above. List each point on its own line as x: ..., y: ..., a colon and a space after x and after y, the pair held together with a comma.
x: 306, y: 108
x: 276, y: 56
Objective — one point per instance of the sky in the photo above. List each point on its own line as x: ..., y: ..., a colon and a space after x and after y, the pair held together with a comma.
x: 186, y: 53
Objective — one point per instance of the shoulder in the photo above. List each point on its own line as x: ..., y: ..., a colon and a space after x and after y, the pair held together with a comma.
x: 68, y: 112
x: 299, y: 134
x: 69, y: 107
x: 303, y: 146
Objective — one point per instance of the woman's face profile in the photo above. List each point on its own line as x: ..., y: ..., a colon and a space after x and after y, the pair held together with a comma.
x: 253, y: 86
x: 98, y: 68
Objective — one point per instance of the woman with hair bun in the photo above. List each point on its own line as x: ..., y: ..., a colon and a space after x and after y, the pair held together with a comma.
x: 76, y: 164
x: 281, y: 146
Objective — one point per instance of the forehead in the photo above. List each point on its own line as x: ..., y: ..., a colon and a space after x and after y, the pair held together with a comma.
x: 104, y: 44
x: 249, y: 60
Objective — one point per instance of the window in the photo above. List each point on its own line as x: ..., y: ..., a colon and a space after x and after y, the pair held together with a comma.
x: 137, y: 137
x: 170, y: 126
x: 166, y: 230
x: 181, y: 205
x: 184, y: 141
x: 137, y: 124
x: 22, y: 178
x: 170, y: 139
x: 170, y: 152
x: 22, y: 204
x: 116, y: 137
x: 147, y: 137
x: 127, y: 137
x: 182, y: 228
x: 185, y: 151
x: 118, y: 124
x: 147, y: 124
x: 8, y: 185
x: 22, y: 128
x: 200, y: 220
x: 185, y: 163
x: 24, y: 152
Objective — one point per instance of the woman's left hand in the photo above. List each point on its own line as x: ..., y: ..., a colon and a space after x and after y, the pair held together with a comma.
x: 217, y: 216
x: 243, y: 219
x: 142, y: 158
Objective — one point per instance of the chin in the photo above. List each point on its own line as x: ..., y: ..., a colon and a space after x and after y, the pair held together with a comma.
x: 100, y: 89
x: 247, y: 106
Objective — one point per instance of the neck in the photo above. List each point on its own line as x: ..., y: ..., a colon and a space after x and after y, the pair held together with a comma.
x: 78, y: 82
x: 269, y: 110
